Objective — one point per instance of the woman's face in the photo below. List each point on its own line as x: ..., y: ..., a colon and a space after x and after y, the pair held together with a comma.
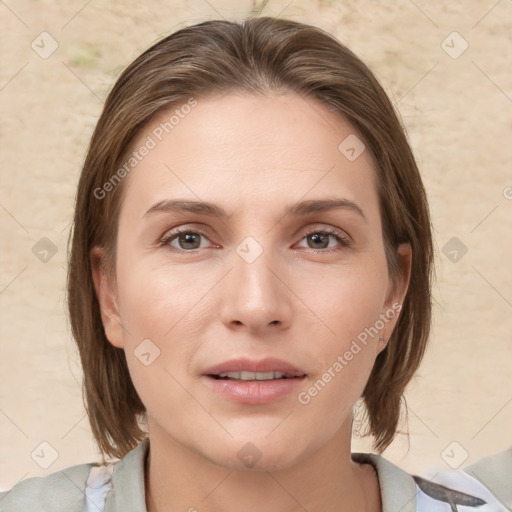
x: 261, y: 274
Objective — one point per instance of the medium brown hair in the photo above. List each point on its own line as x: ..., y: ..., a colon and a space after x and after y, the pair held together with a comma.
x: 259, y: 56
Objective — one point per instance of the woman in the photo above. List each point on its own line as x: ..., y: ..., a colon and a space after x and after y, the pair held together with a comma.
x: 251, y: 254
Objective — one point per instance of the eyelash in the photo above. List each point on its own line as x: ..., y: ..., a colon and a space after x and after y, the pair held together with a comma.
x: 343, y: 240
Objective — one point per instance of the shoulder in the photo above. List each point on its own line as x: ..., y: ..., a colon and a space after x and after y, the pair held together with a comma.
x: 495, y: 473
x: 67, y: 490
x: 59, y: 491
x: 442, y: 492
x: 115, y: 487
x: 484, y: 486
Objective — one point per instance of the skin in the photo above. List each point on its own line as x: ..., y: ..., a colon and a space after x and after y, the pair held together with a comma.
x: 301, y: 300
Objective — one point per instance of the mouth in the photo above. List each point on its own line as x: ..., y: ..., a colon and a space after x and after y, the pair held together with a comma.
x: 254, y: 388
x: 254, y: 382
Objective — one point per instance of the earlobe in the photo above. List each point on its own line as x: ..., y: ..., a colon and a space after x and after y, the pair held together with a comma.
x: 105, y: 293
x: 404, y: 253
x: 382, y: 343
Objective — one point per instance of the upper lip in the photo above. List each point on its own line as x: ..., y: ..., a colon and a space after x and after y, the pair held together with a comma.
x: 269, y: 364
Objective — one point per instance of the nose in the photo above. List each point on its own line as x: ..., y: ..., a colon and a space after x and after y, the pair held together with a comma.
x: 255, y: 294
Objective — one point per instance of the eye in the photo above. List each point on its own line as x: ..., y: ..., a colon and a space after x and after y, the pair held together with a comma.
x: 319, y: 239
x: 186, y: 239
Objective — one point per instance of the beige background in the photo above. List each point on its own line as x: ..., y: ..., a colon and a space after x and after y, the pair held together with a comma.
x: 458, y: 112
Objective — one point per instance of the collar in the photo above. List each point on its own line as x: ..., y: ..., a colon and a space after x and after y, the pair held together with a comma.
x: 397, y: 488
x: 128, y: 489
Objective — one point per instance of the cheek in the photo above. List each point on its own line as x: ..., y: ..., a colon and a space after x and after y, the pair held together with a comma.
x: 163, y: 317
x: 156, y: 301
x: 346, y: 327
x: 166, y: 312
x: 347, y: 300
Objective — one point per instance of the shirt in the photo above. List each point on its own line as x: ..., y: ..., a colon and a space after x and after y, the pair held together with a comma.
x: 119, y: 487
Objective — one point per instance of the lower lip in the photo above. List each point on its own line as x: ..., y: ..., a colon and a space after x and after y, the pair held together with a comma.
x: 254, y: 391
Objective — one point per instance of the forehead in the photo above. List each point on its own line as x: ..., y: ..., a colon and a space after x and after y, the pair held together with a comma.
x: 257, y: 150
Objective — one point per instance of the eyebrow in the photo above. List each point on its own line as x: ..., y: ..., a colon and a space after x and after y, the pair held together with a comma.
x: 300, y: 209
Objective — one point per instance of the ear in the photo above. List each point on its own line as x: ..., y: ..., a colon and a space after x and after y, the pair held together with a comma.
x: 106, y: 295
x: 395, y: 294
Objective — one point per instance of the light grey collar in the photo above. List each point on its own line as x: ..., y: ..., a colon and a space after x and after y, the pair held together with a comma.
x: 397, y: 488
x: 128, y: 489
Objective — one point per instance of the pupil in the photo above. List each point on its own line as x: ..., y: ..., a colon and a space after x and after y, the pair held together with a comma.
x: 188, y: 238
x: 317, y: 236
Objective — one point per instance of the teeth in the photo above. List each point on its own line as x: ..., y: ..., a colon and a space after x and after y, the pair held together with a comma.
x: 253, y: 375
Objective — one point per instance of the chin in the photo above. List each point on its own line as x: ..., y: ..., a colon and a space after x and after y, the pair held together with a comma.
x: 253, y: 453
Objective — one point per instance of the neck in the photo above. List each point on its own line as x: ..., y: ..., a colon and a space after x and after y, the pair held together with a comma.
x: 180, y: 479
